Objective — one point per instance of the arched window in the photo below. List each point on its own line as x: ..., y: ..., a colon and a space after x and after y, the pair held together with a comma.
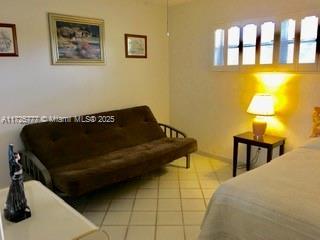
x: 308, y: 39
x: 233, y: 45
x: 249, y: 44
x: 266, y: 44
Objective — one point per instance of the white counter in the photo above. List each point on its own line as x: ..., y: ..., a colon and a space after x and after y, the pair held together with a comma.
x: 51, y: 218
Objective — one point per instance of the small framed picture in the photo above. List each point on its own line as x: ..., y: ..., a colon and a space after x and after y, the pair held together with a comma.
x: 135, y: 45
x: 8, y: 40
x: 76, y: 40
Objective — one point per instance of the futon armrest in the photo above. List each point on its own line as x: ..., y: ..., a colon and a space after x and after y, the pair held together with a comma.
x: 33, y: 167
x: 171, y: 131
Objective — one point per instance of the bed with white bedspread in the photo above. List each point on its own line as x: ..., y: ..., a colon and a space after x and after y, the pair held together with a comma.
x: 277, y: 201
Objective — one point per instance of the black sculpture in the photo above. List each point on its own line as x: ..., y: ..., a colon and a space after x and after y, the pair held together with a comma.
x: 16, y: 209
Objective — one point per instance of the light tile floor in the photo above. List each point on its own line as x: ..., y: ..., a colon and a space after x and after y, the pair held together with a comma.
x: 169, y: 203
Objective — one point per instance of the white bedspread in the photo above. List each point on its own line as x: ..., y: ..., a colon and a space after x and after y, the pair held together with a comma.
x: 278, y: 201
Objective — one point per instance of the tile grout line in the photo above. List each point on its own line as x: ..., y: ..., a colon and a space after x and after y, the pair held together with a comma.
x: 182, y: 215
x: 105, y: 213
x: 132, y: 207
x: 217, y: 177
x: 157, y: 206
x: 215, y: 171
x: 198, y: 178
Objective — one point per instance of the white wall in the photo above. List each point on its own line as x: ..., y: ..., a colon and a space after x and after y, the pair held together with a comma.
x: 211, y: 106
x: 30, y: 85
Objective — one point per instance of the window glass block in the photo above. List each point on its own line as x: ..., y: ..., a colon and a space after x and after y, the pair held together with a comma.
x: 219, y: 47
x: 233, y: 45
x: 287, y: 37
x: 308, y: 40
x: 266, y: 54
x: 267, y: 41
x: 267, y: 33
x: 249, y: 55
x: 249, y: 44
x: 307, y: 52
x: 233, y: 37
x: 309, y: 28
x: 233, y: 56
x: 250, y: 34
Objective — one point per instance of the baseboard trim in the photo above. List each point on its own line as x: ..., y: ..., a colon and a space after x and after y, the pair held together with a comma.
x: 206, y: 154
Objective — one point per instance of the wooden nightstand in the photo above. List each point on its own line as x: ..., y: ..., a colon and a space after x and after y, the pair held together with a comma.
x: 268, y: 141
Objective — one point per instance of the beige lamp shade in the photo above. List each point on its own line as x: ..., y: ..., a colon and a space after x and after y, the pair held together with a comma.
x: 262, y: 105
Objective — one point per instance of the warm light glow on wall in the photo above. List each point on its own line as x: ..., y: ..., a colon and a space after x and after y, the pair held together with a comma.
x: 276, y: 125
x: 277, y: 85
x: 273, y: 82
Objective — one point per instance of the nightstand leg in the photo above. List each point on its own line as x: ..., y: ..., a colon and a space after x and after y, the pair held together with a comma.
x: 235, y: 157
x: 281, y: 149
x: 269, y: 154
x: 248, y: 156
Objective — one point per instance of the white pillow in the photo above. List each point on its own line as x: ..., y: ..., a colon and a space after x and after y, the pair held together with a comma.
x: 313, y: 143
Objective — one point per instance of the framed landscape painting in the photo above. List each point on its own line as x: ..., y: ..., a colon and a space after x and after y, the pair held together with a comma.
x: 135, y: 46
x: 8, y: 40
x: 76, y: 40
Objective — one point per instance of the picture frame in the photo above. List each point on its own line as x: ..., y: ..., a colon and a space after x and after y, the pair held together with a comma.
x: 76, y: 40
x: 8, y: 40
x: 135, y: 46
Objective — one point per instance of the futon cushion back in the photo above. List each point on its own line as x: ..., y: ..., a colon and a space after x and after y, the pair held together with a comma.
x: 62, y: 143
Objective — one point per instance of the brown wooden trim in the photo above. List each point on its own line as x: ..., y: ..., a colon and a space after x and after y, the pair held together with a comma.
x: 126, y: 36
x: 15, y: 43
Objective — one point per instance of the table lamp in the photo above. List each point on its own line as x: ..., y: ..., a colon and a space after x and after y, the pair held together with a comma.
x: 261, y: 105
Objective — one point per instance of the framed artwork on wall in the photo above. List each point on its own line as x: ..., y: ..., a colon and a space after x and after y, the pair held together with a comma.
x: 8, y: 40
x: 76, y: 40
x: 135, y: 46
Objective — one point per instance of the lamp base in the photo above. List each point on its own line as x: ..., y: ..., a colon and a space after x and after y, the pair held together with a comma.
x: 259, y: 126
